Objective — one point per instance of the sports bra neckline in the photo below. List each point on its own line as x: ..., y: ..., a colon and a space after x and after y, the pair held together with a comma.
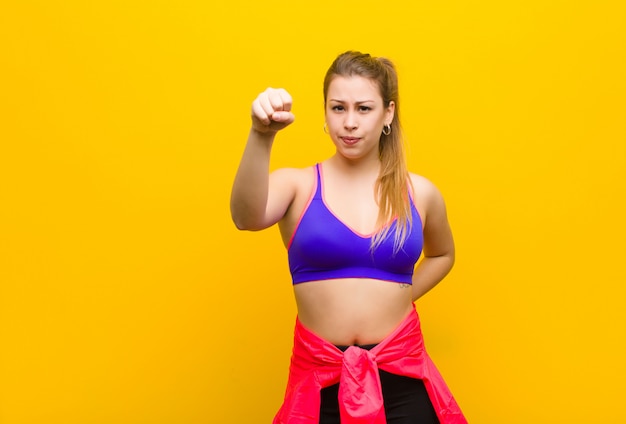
x: 320, y: 192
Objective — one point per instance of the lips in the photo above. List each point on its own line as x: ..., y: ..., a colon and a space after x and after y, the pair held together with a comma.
x: 350, y: 140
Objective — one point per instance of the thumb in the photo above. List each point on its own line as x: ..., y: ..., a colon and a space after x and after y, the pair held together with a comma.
x: 283, y: 117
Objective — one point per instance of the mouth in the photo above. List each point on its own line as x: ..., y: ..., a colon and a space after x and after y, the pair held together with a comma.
x: 350, y: 140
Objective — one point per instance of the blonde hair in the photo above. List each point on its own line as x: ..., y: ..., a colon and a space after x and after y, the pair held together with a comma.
x: 393, y: 183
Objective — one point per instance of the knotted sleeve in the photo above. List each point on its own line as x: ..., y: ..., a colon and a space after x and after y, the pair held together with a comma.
x: 360, y: 392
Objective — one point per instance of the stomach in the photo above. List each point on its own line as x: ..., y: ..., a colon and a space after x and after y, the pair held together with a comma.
x: 351, y: 311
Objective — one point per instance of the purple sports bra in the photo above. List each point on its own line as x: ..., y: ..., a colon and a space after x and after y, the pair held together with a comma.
x: 323, y: 247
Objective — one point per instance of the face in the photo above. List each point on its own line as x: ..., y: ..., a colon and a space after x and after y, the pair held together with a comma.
x: 355, y: 116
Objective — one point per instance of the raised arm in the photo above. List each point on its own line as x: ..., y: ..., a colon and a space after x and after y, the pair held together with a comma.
x: 438, y: 242
x: 258, y: 201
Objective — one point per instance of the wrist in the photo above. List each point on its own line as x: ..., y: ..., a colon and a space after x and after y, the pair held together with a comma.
x: 266, y: 135
x: 263, y: 139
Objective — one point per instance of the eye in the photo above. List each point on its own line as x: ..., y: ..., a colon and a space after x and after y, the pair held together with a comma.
x: 364, y: 108
x: 337, y: 108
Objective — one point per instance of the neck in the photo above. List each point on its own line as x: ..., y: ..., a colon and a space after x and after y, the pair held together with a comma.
x: 360, y: 167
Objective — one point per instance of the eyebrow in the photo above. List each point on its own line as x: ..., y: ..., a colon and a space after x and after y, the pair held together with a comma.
x: 357, y: 102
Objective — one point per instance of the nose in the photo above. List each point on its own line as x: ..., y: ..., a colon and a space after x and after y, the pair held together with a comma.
x: 350, y: 122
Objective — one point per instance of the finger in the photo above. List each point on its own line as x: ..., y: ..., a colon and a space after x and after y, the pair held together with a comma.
x: 283, y: 117
x: 285, y: 99
x: 259, y: 113
x: 265, y: 103
x: 280, y: 99
x: 275, y: 99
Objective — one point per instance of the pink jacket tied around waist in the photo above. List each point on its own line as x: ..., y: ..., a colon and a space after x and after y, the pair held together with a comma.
x: 316, y: 363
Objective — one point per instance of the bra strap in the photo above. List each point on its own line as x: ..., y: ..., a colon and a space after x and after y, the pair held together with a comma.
x: 318, y: 189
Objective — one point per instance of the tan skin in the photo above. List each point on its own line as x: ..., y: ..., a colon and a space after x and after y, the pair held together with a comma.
x: 350, y: 310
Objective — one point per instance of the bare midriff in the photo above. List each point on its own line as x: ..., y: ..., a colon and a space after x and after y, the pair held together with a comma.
x: 352, y: 311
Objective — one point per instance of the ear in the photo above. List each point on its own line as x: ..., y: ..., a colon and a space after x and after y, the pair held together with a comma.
x: 390, y: 112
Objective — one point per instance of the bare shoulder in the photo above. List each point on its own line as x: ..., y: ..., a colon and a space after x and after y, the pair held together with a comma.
x: 423, y: 188
x: 294, y: 177
x: 294, y: 183
x: 293, y: 173
x: 428, y: 198
x: 286, y: 189
x: 300, y: 182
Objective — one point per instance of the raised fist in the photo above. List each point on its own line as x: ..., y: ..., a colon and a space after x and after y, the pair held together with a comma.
x: 271, y: 110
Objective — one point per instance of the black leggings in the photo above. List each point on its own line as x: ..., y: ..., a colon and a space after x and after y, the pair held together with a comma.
x: 405, y: 400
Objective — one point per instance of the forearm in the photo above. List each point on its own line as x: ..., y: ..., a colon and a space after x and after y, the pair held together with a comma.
x: 249, y: 194
x: 429, y: 272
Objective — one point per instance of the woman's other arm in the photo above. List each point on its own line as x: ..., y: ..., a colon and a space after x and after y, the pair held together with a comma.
x: 438, y: 241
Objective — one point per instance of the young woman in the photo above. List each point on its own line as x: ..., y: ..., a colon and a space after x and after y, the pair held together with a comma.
x: 354, y: 226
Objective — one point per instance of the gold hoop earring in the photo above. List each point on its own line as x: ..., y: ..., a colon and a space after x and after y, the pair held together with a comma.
x: 325, y: 129
x: 387, y: 129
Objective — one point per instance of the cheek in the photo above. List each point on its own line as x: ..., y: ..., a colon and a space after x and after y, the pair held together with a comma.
x: 376, y: 125
x: 333, y: 123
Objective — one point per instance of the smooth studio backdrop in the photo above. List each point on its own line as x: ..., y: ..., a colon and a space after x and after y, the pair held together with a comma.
x: 127, y: 295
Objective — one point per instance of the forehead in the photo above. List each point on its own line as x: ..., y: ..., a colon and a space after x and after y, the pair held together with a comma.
x: 354, y: 88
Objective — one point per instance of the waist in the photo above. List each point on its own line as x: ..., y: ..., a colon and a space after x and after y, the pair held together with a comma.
x: 352, y: 311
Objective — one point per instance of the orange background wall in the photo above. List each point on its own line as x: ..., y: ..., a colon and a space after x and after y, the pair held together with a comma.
x: 127, y: 295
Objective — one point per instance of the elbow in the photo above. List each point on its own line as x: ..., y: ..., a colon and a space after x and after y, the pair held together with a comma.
x: 245, y: 223
x: 240, y: 216
x: 450, y: 257
x: 241, y: 223
x: 248, y: 218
